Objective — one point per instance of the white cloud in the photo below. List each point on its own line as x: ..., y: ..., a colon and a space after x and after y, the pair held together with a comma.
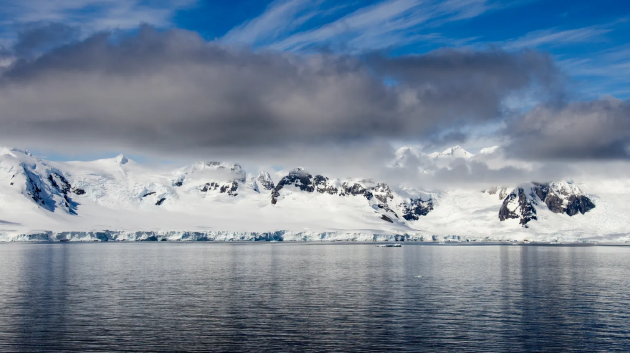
x: 279, y: 17
x: 556, y: 37
x: 93, y: 15
x: 384, y: 24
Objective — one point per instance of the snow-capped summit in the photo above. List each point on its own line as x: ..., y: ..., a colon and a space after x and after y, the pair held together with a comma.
x: 453, y: 152
x: 406, y: 154
x: 121, y: 159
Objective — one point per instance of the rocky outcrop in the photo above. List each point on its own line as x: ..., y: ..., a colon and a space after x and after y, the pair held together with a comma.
x: 265, y: 181
x: 559, y: 197
x: 384, y: 201
x: 518, y: 204
x: 416, y: 208
x: 229, y: 188
x: 563, y: 197
x: 50, y: 189
x: 304, y: 181
x: 323, y: 185
x: 298, y: 178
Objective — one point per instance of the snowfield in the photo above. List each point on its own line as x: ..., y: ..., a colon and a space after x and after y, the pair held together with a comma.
x: 119, y: 199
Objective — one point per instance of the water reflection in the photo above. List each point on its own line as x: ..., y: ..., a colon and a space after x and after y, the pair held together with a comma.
x: 313, y: 297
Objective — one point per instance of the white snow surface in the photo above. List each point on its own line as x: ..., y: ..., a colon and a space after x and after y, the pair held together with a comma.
x: 119, y: 199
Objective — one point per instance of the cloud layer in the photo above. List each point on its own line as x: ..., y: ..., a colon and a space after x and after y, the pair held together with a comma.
x: 172, y: 92
x: 598, y: 129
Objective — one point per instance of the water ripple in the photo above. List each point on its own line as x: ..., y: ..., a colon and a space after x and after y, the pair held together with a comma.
x: 202, y: 297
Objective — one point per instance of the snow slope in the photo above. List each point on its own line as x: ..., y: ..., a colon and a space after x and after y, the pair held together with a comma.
x: 119, y: 199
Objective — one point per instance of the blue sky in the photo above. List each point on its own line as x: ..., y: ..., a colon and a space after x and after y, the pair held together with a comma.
x: 588, y: 40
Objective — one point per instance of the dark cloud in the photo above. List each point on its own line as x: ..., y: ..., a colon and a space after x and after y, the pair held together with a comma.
x: 597, y: 129
x: 171, y: 92
x: 465, y: 84
x: 480, y: 174
x: 438, y: 142
x: 36, y: 38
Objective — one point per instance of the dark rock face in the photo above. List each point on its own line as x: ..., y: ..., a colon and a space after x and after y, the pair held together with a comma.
x: 385, y: 218
x: 541, y: 190
x: 298, y: 178
x: 417, y: 208
x: 264, y: 179
x: 160, y: 201
x: 62, y: 185
x: 34, y: 190
x: 149, y: 193
x: 380, y: 196
x: 50, y: 192
x: 382, y: 193
x: 230, y: 188
x: 517, y: 201
x: 209, y: 186
x: 355, y: 189
x: 322, y: 185
x: 580, y: 203
x: 59, y: 182
x: 563, y: 197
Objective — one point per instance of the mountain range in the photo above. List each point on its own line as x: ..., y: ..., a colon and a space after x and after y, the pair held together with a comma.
x: 119, y: 199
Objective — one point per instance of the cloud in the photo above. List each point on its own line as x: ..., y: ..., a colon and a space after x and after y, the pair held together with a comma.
x: 598, y: 129
x: 34, y: 39
x: 280, y: 17
x: 90, y: 15
x: 556, y: 37
x: 173, y: 93
x: 479, y: 172
x: 381, y: 25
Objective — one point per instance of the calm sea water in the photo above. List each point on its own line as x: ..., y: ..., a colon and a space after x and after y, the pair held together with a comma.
x: 313, y: 297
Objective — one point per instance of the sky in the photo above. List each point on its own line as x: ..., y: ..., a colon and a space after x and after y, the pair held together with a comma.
x: 285, y: 81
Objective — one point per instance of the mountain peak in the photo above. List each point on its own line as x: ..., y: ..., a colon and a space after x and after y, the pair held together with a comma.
x: 298, y: 171
x: 452, y: 152
x: 121, y: 159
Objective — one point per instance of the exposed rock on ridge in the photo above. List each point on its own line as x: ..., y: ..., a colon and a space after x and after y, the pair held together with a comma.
x: 383, y: 200
x: 559, y: 197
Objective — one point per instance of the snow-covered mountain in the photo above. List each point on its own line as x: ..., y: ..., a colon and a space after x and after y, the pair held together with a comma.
x: 406, y: 156
x: 117, y: 198
x: 453, y: 152
x: 404, y: 153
